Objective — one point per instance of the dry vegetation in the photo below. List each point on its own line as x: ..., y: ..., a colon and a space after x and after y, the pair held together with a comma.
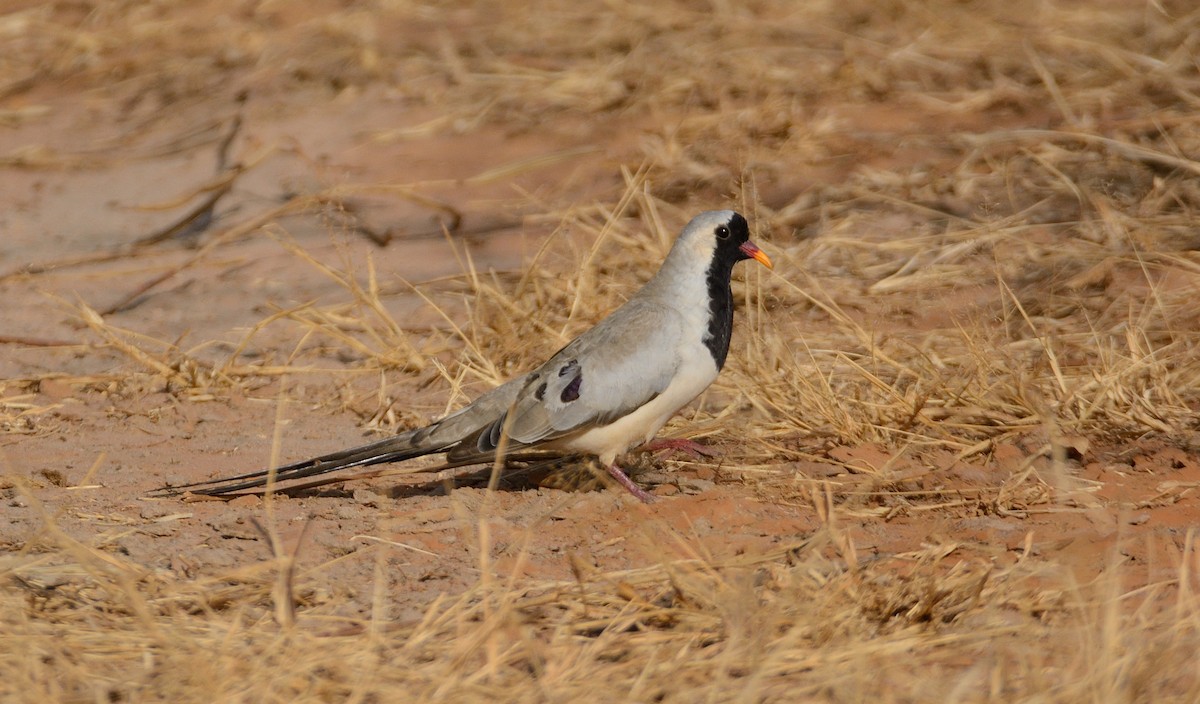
x: 983, y: 216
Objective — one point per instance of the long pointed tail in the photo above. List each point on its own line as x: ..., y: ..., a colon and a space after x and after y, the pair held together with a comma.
x: 393, y: 449
x: 437, y: 437
x: 533, y: 459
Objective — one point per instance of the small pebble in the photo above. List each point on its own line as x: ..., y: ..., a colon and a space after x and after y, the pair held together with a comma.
x: 695, y: 486
x: 246, y: 501
x: 157, y: 510
x: 366, y: 497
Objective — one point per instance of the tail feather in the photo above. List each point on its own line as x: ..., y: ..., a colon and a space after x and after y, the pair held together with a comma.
x: 259, y: 488
x: 393, y: 449
x: 437, y: 437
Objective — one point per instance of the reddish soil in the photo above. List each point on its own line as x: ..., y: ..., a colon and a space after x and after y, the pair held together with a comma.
x: 85, y: 440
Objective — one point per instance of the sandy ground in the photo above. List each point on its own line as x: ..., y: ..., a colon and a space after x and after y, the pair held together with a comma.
x: 92, y: 450
x: 96, y: 448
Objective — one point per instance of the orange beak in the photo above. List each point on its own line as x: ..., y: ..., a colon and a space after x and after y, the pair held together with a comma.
x: 751, y: 250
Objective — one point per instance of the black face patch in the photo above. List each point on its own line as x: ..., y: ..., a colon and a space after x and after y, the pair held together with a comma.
x: 571, y: 391
x: 720, y: 296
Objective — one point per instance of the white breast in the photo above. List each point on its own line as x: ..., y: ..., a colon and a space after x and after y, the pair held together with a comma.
x: 696, y: 372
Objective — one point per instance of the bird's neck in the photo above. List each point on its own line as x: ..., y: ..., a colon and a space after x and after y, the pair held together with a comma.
x: 700, y: 291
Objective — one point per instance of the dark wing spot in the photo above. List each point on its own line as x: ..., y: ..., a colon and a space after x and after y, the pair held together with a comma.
x: 489, y: 439
x: 540, y: 393
x: 568, y: 367
x: 571, y: 392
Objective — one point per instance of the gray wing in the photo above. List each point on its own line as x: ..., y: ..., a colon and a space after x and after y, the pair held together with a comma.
x: 609, y: 371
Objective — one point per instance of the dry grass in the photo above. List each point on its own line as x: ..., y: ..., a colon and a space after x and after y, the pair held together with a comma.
x: 806, y: 621
x: 983, y: 218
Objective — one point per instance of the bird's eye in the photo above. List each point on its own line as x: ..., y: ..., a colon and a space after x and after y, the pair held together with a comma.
x: 722, y: 233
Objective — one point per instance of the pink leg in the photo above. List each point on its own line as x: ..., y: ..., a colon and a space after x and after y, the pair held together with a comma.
x: 689, y: 447
x: 624, y: 480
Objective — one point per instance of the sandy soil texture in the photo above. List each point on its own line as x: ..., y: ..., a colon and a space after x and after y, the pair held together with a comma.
x: 957, y: 449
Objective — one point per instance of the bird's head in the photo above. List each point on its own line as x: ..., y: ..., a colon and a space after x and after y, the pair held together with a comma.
x: 721, y: 237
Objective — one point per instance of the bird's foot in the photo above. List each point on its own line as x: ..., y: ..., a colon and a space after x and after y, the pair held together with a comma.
x: 684, y: 445
x: 624, y: 480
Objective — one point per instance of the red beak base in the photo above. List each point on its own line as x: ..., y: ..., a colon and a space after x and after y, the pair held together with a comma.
x: 751, y: 250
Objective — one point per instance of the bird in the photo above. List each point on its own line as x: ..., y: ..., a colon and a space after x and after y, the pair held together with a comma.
x: 610, y: 389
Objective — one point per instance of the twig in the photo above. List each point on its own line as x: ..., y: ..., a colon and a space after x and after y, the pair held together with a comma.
x: 1125, y: 149
x: 85, y: 260
x: 196, y: 220
x: 34, y: 341
x: 250, y: 225
x: 199, y: 218
x: 284, y: 591
x: 352, y: 210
